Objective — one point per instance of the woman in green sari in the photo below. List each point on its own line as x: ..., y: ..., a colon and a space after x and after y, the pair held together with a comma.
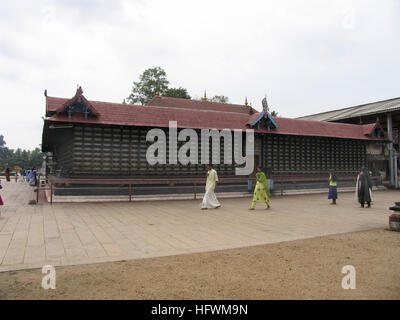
x: 261, y: 191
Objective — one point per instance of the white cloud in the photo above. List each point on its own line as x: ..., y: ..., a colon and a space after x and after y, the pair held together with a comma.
x: 307, y: 55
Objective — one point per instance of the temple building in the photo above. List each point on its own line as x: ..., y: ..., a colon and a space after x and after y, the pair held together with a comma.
x: 380, y: 158
x: 86, y: 139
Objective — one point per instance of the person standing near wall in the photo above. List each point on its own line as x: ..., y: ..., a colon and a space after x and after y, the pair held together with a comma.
x: 332, y: 187
x: 363, y: 188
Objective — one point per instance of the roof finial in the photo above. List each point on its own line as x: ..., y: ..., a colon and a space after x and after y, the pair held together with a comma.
x: 245, y: 102
x: 205, y: 96
x: 45, y: 92
x: 265, y: 105
x: 123, y: 102
x: 79, y: 91
x: 157, y: 94
x: 251, y: 110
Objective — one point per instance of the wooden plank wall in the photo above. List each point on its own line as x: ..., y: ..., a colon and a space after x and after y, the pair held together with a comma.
x: 312, y: 155
x: 63, y: 150
x: 121, y: 151
x: 95, y: 150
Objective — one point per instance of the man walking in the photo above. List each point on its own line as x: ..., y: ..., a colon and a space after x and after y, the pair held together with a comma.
x: 210, y: 199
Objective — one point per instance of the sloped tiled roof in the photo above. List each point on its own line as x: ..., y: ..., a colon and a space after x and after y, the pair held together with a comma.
x: 159, y: 116
x: 356, y: 111
x: 77, y: 98
x: 154, y: 116
x: 168, y: 102
x: 53, y: 103
x: 324, y: 129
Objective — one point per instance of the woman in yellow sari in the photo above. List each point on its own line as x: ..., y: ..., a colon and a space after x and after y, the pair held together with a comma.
x: 261, y: 191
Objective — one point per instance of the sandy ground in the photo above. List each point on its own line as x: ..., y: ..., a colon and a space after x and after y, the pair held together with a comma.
x: 303, y: 269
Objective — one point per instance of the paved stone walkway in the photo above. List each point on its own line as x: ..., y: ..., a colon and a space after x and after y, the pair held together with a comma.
x: 79, y: 233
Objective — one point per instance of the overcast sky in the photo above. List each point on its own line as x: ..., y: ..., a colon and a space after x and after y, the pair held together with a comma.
x: 308, y: 56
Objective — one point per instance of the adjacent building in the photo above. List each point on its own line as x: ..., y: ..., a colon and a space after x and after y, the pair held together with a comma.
x: 380, y: 158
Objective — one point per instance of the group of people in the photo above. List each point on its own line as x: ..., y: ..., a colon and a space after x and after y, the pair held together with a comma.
x: 363, y: 188
x: 30, y: 176
x: 261, y: 190
x: 22, y: 175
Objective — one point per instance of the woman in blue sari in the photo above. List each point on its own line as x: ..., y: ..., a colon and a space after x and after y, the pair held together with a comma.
x: 29, y: 175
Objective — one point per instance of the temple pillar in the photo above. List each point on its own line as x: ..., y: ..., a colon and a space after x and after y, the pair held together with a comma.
x: 392, y: 156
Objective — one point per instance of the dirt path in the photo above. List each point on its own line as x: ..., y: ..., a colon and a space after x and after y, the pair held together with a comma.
x: 303, y: 269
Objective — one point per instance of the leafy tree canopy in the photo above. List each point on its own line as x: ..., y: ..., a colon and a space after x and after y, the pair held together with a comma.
x: 274, y: 113
x: 154, y: 80
x: 150, y: 82
x: 220, y: 98
x: 22, y: 158
x: 177, y: 93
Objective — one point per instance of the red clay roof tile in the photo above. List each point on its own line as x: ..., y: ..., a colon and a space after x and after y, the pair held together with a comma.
x: 169, y: 102
x: 159, y: 116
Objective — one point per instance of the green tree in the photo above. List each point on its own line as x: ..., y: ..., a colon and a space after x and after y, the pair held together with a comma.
x: 36, y: 158
x: 22, y: 158
x: 5, y: 153
x: 274, y: 113
x: 2, y: 142
x: 177, y: 93
x: 25, y: 158
x: 150, y: 82
x: 220, y: 98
